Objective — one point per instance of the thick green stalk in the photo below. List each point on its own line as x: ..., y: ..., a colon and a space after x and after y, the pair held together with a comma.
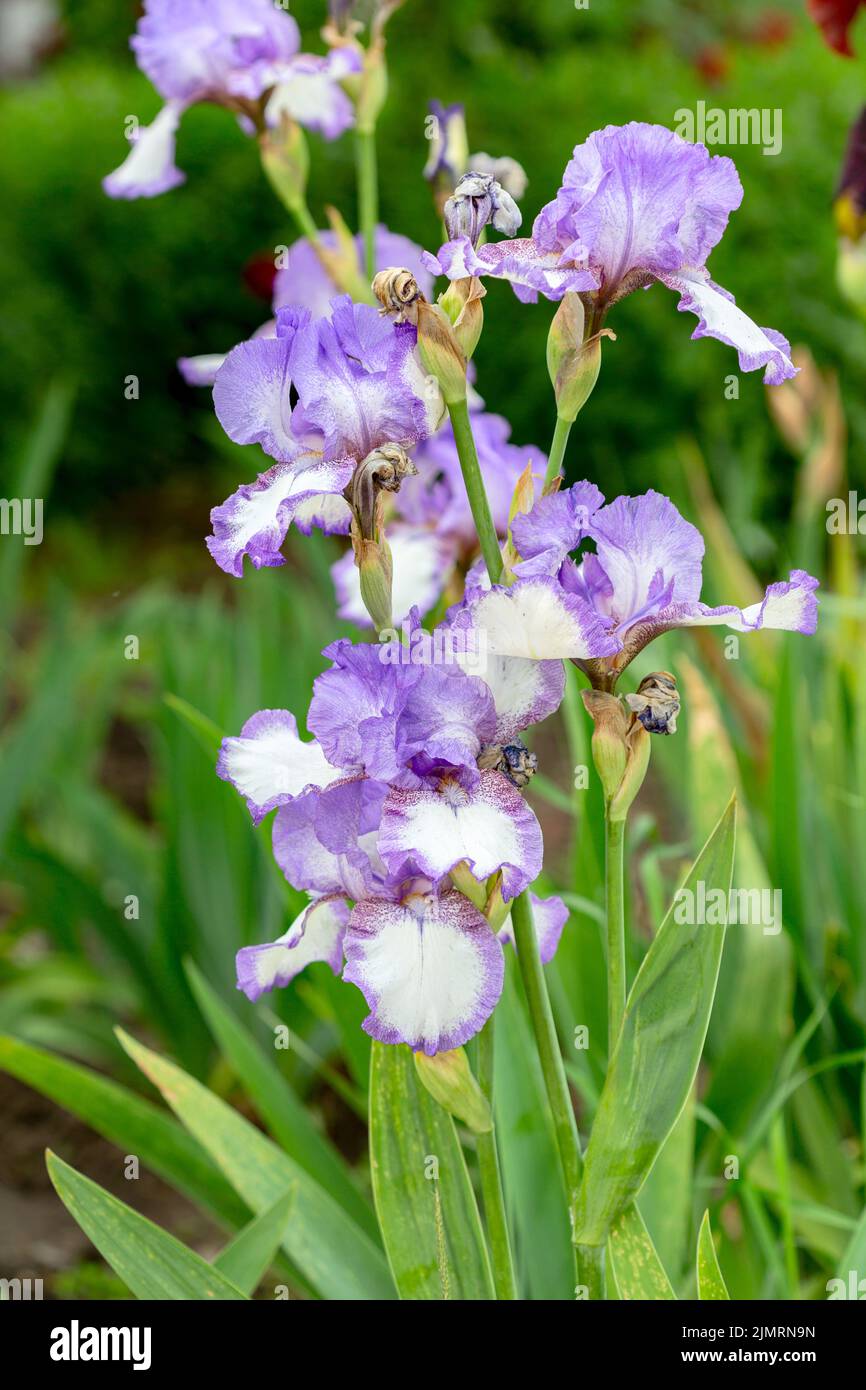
x: 304, y: 218
x: 491, y: 1180
x: 474, y: 482
x: 368, y: 195
x: 591, y: 1263
x: 547, y: 1043
x: 614, y: 838
x: 557, y: 449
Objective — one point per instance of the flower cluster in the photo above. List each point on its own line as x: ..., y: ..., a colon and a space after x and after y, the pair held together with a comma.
x: 320, y: 397
x: 599, y: 608
x: 638, y: 204
x: 410, y: 785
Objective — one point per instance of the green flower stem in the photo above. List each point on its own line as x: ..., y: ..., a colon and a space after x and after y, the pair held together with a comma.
x: 614, y: 838
x: 480, y: 507
x: 557, y: 450
x: 491, y: 1180
x: 368, y: 195
x: 304, y: 218
x: 547, y: 1042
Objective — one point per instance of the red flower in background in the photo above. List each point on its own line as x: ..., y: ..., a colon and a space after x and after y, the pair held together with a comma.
x: 834, y: 18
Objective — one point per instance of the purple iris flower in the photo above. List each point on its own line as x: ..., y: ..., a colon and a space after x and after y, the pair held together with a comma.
x: 433, y: 530
x: 638, y: 204
x: 319, y: 397
x: 375, y: 812
x: 242, y: 54
x: 303, y: 283
x: 643, y: 579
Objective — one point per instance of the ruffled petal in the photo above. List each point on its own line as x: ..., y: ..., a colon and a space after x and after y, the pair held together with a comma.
x: 489, y: 825
x: 639, y: 199
x: 720, y: 318
x: 529, y: 268
x: 316, y: 935
x: 535, y: 618
x: 430, y: 969
x: 149, y: 168
x: 270, y: 764
x: 556, y: 525
x: 790, y: 605
x: 255, y: 519
x: 648, y: 557
x: 524, y: 692
x: 549, y: 916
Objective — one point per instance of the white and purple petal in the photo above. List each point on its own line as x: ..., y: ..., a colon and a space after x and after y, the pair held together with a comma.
x: 317, y: 935
x: 255, y: 519
x: 252, y: 396
x: 488, y: 825
x: 149, y: 168
x: 309, y: 92
x: 789, y: 605
x: 535, y: 618
x: 270, y: 764
x: 719, y: 317
x: 430, y: 969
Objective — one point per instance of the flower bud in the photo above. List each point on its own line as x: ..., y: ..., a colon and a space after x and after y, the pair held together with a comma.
x: 449, y: 151
x: 376, y: 573
x: 448, y: 1077
x: 609, y: 748
x: 397, y: 291
x: 462, y: 304
x: 573, y: 360
x: 505, y: 170
x: 286, y: 161
x: 440, y: 352
x: 638, y: 745
x: 477, y: 202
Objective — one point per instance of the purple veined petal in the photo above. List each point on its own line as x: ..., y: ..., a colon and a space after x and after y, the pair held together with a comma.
x: 789, y: 605
x: 270, y: 764
x: 720, y: 318
x: 308, y: 92
x: 255, y: 519
x: 489, y: 825
x: 202, y: 369
x: 556, y: 525
x: 639, y: 199
x: 521, y: 260
x: 423, y: 562
x: 536, y: 618
x: 252, y: 396
x: 447, y: 718
x: 549, y: 916
x: 649, y: 555
x: 363, y: 688
x: 198, y: 49
x: 303, y: 281
x: 303, y: 840
x: 149, y: 168
x: 316, y: 935
x: 430, y: 969
x: 352, y: 378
